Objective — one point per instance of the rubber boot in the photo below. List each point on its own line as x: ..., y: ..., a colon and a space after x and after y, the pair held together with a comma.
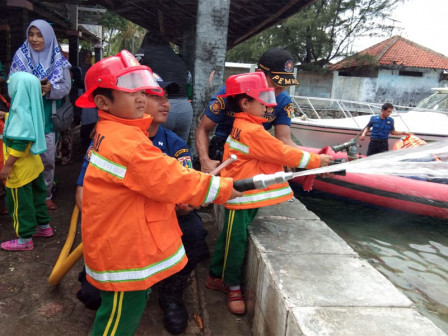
x: 175, y: 316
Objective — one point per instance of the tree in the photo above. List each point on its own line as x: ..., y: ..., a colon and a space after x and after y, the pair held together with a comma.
x: 322, y: 32
x: 119, y: 34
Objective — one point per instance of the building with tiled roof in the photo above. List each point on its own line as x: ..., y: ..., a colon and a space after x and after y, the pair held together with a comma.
x: 396, y: 70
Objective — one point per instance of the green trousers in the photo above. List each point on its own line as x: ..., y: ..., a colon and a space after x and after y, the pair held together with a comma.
x: 120, y: 313
x: 27, y: 207
x: 228, y: 257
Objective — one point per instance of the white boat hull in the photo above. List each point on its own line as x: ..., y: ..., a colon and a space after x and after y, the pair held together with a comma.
x: 317, y: 135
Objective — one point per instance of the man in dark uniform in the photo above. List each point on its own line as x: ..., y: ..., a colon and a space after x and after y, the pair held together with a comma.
x: 278, y: 66
x: 382, y: 125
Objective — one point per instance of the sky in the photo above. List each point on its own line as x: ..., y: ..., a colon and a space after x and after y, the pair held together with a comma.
x: 423, y: 22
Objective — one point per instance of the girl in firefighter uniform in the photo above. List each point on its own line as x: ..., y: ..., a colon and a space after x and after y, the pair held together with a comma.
x: 258, y: 152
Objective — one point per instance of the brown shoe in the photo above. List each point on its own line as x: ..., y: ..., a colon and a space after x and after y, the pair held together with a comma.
x: 51, y: 205
x: 216, y: 284
x: 235, y: 302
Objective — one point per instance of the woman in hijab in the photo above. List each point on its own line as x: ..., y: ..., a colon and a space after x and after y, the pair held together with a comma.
x: 24, y: 140
x: 41, y: 56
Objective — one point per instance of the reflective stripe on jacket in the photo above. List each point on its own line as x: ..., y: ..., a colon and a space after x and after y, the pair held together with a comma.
x: 129, y: 228
x: 258, y: 152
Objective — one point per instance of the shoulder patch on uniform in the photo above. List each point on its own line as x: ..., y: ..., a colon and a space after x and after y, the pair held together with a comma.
x: 290, y: 110
x: 180, y: 151
x: 185, y: 161
x: 217, y: 105
x: 89, y: 152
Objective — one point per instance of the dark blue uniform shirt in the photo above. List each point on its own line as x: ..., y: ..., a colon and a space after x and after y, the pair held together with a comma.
x: 380, y: 127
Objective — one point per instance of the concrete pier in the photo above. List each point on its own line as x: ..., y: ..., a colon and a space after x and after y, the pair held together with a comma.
x: 303, y: 279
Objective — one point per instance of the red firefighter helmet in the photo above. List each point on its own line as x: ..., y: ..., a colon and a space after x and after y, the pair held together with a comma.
x: 120, y: 72
x: 253, y: 84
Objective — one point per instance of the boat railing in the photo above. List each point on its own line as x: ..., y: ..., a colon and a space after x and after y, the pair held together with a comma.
x: 329, y: 108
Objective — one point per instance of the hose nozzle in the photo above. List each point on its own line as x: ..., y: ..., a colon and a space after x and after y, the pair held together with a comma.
x: 262, y: 181
x: 345, y: 146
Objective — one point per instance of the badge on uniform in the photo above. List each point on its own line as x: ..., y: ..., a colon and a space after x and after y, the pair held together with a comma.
x: 289, y: 110
x: 217, y: 105
x: 185, y: 161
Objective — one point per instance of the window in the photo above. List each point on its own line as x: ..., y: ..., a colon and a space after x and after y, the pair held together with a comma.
x: 410, y: 73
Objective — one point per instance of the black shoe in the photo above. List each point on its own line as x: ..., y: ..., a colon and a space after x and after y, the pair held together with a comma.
x: 175, y: 316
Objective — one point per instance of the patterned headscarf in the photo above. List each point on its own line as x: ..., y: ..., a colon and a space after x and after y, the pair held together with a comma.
x: 47, y: 63
x: 26, y: 114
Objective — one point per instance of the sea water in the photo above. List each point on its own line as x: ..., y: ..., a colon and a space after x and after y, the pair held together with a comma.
x: 410, y: 250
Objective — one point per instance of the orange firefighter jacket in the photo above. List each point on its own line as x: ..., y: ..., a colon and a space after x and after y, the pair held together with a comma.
x: 130, y: 232
x: 258, y: 152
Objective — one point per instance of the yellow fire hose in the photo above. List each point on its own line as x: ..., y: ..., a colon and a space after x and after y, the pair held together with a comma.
x: 66, y: 259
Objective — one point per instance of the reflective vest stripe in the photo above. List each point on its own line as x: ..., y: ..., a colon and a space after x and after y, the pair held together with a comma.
x: 305, y: 160
x: 262, y: 196
x: 137, y: 274
x: 237, y: 146
x: 108, y: 166
x: 213, y: 190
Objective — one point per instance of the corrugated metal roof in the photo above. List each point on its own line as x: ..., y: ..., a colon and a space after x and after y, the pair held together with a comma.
x: 396, y: 51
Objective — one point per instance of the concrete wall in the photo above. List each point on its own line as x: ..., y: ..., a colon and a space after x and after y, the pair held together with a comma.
x: 354, y: 88
x: 406, y: 90
x: 389, y: 86
x: 314, y: 84
x: 303, y: 279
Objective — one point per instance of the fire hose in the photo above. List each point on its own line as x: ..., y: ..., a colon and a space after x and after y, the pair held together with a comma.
x: 67, y: 260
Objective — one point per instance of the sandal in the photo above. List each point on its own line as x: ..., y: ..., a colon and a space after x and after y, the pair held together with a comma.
x: 51, y: 205
x: 216, y: 284
x: 235, y: 302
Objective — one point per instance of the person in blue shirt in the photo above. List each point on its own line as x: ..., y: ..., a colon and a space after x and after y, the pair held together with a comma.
x: 278, y: 66
x: 193, y: 233
x: 382, y: 126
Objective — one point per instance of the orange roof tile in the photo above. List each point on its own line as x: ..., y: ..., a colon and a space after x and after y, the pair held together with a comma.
x: 397, y: 51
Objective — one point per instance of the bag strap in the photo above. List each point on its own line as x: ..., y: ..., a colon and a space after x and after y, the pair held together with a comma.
x: 53, y: 108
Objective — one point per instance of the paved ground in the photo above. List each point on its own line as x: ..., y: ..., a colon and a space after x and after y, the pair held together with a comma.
x: 29, y: 306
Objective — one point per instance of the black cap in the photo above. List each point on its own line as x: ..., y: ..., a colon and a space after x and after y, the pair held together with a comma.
x: 277, y: 63
x: 169, y: 87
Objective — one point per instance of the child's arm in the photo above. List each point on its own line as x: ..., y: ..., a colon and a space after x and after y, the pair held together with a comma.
x: 264, y: 147
x: 163, y: 179
x: 16, y: 149
x: 7, y: 167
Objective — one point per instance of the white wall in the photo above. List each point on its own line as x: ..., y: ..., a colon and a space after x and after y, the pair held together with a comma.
x: 388, y: 87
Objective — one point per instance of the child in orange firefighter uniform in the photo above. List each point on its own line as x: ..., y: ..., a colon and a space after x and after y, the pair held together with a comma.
x: 129, y: 229
x: 258, y: 152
